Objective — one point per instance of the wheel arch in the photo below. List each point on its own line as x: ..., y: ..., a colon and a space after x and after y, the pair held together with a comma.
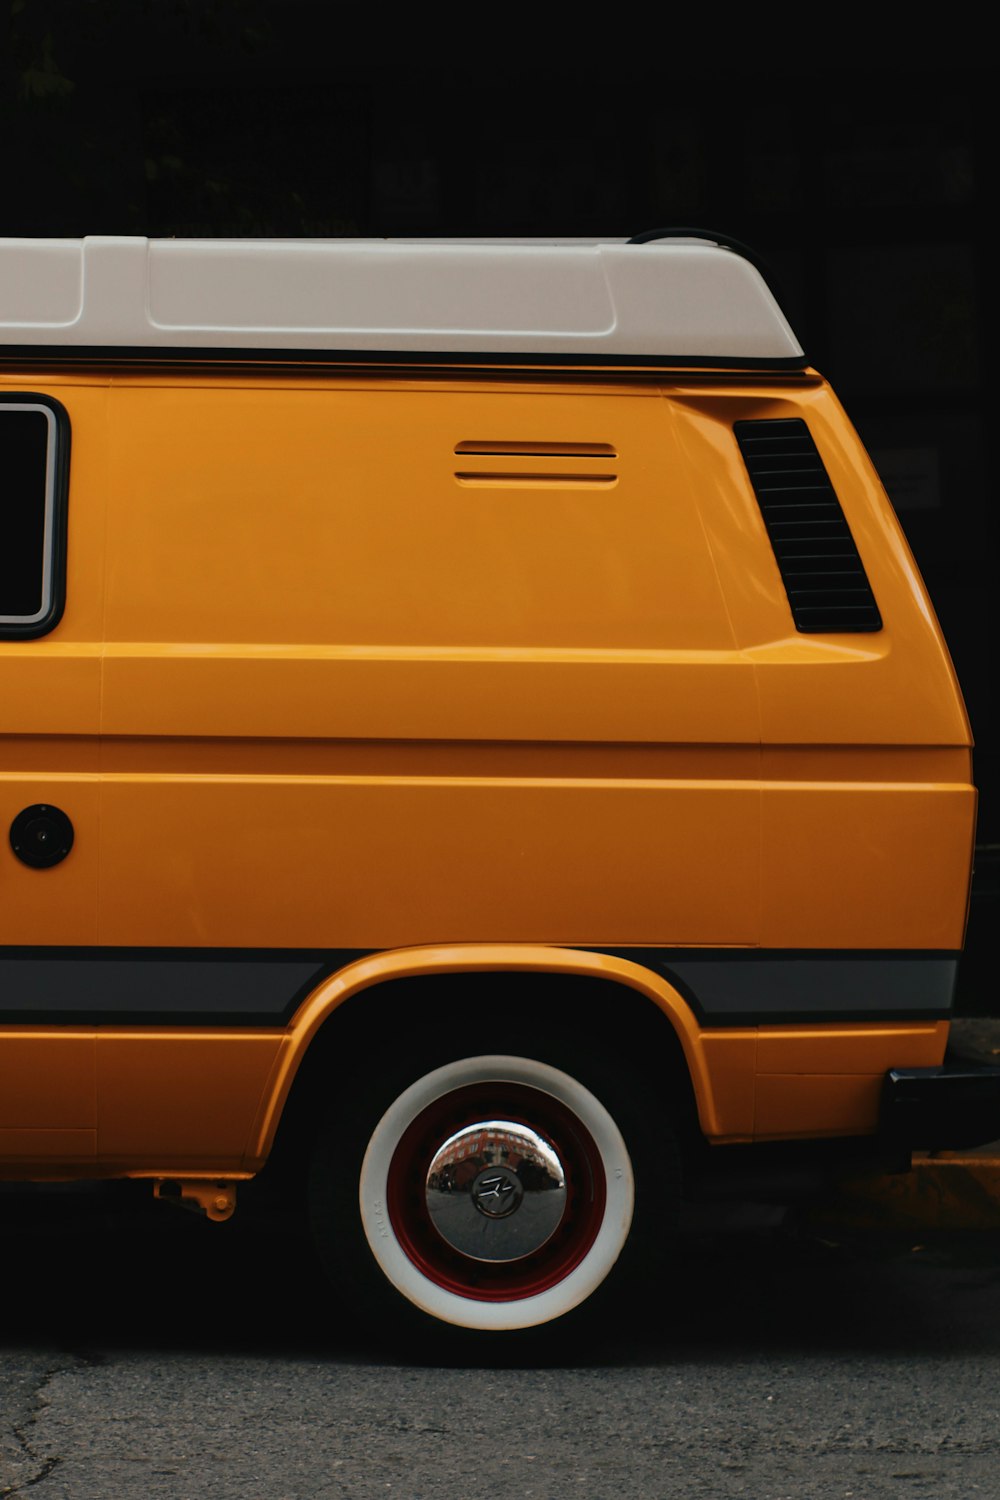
x: 354, y: 1006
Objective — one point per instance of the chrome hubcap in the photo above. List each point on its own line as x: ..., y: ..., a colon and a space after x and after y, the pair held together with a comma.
x: 496, y: 1191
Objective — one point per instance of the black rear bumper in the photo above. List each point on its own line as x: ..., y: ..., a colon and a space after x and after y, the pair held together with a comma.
x: 949, y: 1108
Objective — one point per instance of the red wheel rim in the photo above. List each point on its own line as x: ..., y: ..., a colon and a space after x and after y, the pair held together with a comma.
x: 543, y: 1268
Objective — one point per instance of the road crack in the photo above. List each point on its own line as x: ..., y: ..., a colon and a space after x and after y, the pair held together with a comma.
x: 27, y: 1458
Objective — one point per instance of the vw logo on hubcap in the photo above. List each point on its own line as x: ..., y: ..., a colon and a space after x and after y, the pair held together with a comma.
x: 497, y: 1192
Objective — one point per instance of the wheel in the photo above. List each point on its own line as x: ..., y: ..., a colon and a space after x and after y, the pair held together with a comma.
x: 493, y: 1193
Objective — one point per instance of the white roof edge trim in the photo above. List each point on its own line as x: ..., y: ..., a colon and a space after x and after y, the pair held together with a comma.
x: 666, y: 299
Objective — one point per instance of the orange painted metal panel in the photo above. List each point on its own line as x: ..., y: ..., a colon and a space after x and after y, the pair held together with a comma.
x: 865, y: 866
x: 50, y: 691
x: 804, y: 1106
x: 728, y: 1058
x: 179, y: 1098
x: 496, y: 695
x: 47, y: 1079
x: 352, y: 587
x: 311, y: 527
x: 47, y: 1155
x: 368, y: 863
x: 862, y: 1048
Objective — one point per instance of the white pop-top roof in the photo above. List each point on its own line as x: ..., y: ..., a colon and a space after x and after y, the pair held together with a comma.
x: 672, y: 299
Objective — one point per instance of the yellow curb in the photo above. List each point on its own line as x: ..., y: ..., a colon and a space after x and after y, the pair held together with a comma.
x: 948, y: 1191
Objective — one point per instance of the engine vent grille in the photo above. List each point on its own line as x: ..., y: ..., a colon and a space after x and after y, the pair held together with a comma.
x: 821, y: 568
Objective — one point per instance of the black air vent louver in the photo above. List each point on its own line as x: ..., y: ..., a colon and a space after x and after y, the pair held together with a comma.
x: 821, y: 568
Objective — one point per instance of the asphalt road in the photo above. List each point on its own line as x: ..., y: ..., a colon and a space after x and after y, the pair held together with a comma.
x: 145, y: 1353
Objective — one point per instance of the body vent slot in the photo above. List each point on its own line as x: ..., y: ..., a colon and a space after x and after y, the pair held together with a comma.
x: 821, y: 568
x: 536, y: 465
x: 538, y: 450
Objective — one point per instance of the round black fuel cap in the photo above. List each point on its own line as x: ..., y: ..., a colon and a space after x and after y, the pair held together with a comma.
x: 41, y: 836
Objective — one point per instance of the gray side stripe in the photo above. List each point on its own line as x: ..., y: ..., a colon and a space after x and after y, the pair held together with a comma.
x: 742, y: 989
x: 247, y: 987
x: 239, y: 990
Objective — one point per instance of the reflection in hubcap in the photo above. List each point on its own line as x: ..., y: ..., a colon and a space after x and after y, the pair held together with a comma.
x: 496, y: 1191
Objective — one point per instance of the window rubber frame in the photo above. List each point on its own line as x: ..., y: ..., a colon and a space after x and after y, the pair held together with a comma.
x: 54, y: 538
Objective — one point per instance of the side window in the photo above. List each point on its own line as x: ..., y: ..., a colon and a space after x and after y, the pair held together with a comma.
x: 34, y: 472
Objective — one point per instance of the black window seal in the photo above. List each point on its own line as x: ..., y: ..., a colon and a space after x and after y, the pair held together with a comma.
x: 54, y: 542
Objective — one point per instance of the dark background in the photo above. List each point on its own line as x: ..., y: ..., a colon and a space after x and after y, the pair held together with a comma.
x: 866, y: 188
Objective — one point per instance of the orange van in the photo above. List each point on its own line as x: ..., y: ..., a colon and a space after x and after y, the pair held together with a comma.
x: 472, y: 726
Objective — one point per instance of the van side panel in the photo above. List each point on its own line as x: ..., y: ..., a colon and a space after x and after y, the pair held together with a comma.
x: 346, y: 513
x: 372, y: 663
x: 489, y: 574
